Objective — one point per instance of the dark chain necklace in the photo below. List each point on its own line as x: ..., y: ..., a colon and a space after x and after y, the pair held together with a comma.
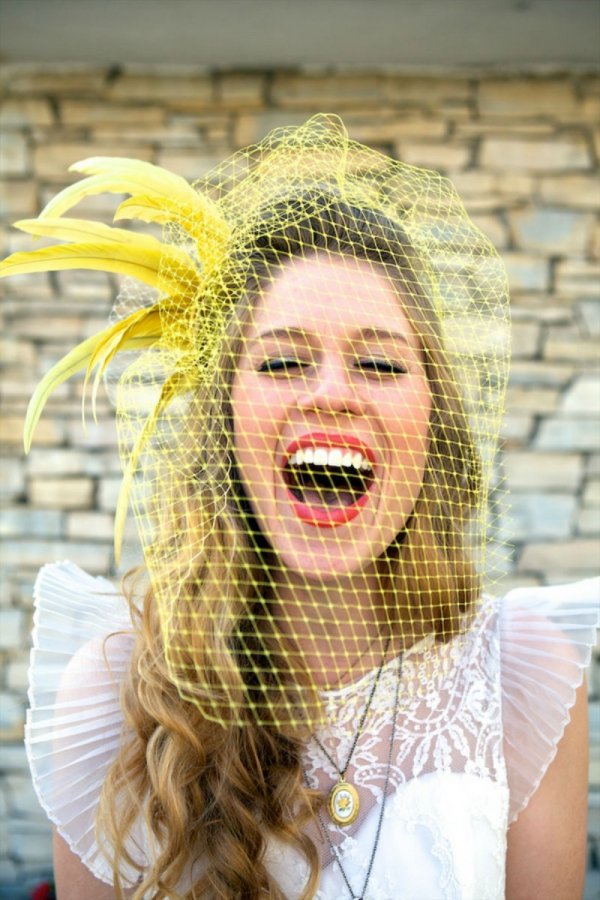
x: 386, y: 785
x: 343, y: 803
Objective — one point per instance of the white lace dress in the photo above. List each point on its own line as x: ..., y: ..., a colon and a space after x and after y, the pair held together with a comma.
x: 478, y: 721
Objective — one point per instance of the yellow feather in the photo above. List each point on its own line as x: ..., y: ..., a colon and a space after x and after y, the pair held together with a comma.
x: 101, y: 257
x: 202, y: 228
x: 119, y: 175
x: 151, y: 187
x: 142, y: 327
x: 73, y: 362
x: 76, y: 360
x: 178, y: 383
x: 71, y: 229
x: 166, y: 268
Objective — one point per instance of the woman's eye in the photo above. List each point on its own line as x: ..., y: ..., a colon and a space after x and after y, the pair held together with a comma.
x: 282, y: 364
x: 381, y: 366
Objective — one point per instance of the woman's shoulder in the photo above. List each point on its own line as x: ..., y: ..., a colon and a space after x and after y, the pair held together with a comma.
x: 549, y: 630
x: 545, y: 636
x: 82, y: 644
x: 82, y: 635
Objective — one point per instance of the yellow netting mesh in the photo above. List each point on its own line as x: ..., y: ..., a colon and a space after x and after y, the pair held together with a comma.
x: 309, y: 424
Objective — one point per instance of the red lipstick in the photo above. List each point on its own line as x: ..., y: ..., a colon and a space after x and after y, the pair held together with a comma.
x: 323, y: 516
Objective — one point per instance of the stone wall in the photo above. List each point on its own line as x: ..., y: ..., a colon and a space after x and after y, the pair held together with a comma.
x: 524, y: 153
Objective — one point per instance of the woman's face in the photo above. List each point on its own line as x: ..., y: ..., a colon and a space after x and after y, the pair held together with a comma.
x: 331, y: 409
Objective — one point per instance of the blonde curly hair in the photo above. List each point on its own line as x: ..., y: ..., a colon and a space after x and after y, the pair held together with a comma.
x: 211, y: 795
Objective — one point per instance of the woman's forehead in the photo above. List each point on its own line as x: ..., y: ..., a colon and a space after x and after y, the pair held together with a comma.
x: 330, y: 292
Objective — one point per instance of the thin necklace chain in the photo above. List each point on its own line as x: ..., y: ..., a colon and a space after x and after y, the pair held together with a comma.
x: 386, y: 785
x: 363, y: 719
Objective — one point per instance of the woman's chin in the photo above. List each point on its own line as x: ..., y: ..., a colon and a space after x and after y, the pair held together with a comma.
x: 325, y: 565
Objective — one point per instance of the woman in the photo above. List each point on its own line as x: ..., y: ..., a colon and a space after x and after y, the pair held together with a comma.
x: 315, y: 698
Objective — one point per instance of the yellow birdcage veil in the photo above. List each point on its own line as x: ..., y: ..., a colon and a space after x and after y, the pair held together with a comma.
x: 275, y: 283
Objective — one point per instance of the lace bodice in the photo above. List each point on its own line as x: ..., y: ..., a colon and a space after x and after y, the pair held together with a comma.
x: 476, y: 726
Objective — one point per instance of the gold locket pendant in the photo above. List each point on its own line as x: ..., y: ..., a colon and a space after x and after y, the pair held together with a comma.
x: 343, y: 803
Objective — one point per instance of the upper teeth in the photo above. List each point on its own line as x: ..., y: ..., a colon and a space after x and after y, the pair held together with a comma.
x: 322, y: 456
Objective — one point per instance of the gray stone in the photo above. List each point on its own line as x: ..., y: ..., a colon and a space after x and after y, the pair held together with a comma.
x: 95, y: 435
x: 22, y: 589
x: 57, y: 462
x: 31, y: 78
x: 109, y: 493
x: 532, y: 471
x: 16, y: 674
x: 577, y: 557
x: 443, y: 156
x: 531, y: 98
x: 579, y: 277
x: 61, y: 493
x: 572, y: 191
x: 12, y: 715
x: 191, y: 89
x: 591, y: 493
x: 586, y: 351
x: 30, y: 842
x: 20, y: 353
x: 588, y: 521
x: 589, y: 311
x: 21, y: 520
x: 95, y: 557
x: 536, y: 400
x: 539, y: 373
x: 526, y: 273
x: 515, y: 154
x: 567, y: 434
x: 25, y: 112
x: 23, y: 799
x: 47, y: 433
x: 583, y: 397
x: 92, y: 286
x: 11, y: 628
x: 493, y: 227
x: 11, y: 479
x: 593, y: 466
x: 516, y: 429
x: 13, y: 757
x: 97, y: 525
x: 543, y: 515
x: 15, y: 156
x: 8, y: 872
x: 546, y: 309
x: 552, y: 231
x: 594, y: 781
x: 525, y: 339
x: 594, y: 685
x: 188, y: 163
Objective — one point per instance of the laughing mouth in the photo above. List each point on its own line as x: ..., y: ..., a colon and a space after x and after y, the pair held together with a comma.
x: 328, y: 478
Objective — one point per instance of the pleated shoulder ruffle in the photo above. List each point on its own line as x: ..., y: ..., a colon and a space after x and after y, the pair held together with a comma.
x: 82, y: 643
x: 546, y: 638
x: 74, y: 723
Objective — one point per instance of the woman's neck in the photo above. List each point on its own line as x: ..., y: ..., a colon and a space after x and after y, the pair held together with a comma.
x: 340, y: 628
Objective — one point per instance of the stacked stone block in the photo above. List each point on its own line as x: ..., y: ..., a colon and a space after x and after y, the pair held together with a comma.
x: 524, y: 153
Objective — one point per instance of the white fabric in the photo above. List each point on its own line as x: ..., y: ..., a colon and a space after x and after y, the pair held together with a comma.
x: 477, y: 725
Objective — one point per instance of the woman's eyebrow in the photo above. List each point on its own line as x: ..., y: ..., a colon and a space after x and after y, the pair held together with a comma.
x: 363, y: 334
x: 369, y: 334
x: 281, y: 333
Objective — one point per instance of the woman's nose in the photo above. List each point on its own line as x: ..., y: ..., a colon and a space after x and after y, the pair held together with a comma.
x: 331, y: 390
